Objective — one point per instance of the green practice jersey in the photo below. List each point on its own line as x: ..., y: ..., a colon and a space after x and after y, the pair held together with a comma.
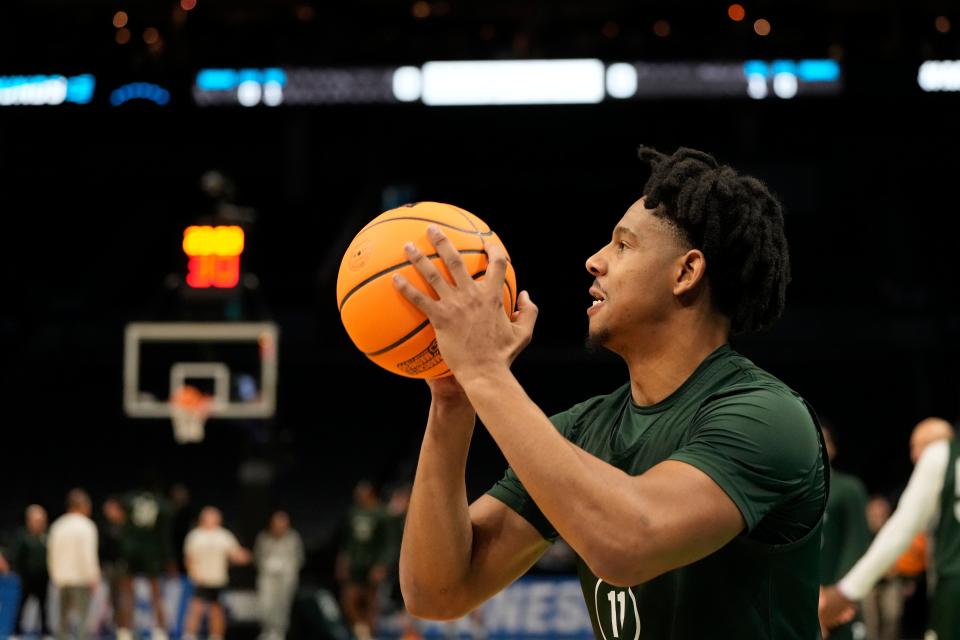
x: 368, y: 540
x: 760, y: 443
x: 947, y: 548
x: 146, y: 541
x: 846, y: 535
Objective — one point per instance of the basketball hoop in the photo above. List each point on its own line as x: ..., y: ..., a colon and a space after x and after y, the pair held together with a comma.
x: 189, y: 410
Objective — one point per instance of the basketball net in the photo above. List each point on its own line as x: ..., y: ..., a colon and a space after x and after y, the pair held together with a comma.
x: 189, y: 410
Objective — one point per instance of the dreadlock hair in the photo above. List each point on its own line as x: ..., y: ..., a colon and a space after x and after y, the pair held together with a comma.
x: 737, y: 224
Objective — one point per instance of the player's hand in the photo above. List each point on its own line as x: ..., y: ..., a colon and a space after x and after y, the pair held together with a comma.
x: 474, y: 335
x: 835, y: 609
x: 447, y: 390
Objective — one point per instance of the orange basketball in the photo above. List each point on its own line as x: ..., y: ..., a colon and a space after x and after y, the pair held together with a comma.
x: 381, y: 322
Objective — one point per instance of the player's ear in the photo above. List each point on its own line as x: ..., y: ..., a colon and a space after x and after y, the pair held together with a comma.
x: 690, y: 271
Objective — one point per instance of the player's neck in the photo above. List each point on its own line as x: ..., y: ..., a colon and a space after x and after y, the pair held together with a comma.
x: 659, y: 367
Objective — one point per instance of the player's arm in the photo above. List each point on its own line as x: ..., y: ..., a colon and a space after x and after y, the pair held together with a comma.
x: 453, y: 555
x: 236, y: 553
x: 914, y: 511
x: 628, y: 529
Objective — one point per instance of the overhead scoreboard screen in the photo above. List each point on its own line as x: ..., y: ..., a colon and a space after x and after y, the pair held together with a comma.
x: 513, y: 82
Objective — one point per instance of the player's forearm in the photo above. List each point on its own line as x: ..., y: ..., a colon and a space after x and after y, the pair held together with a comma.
x: 593, y: 505
x: 437, y: 536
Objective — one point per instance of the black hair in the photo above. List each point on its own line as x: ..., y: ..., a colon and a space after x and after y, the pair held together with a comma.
x: 735, y: 221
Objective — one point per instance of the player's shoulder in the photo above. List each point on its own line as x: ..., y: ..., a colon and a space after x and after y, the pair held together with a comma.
x: 763, y: 409
x: 750, y: 387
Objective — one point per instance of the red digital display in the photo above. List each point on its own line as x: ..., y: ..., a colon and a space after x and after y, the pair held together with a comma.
x: 213, y: 256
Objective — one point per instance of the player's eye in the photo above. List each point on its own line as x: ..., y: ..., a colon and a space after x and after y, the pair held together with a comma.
x: 621, y: 246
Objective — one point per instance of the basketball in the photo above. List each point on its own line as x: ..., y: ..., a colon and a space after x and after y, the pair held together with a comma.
x: 383, y: 325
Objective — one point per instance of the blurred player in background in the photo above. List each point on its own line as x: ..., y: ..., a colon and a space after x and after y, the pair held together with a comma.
x: 278, y: 555
x: 28, y: 558
x: 73, y: 564
x: 845, y: 532
x: 146, y: 551
x: 361, y: 564
x: 396, y: 515
x: 183, y: 520
x: 931, y: 490
x: 111, y: 559
x: 693, y: 495
x: 209, y: 550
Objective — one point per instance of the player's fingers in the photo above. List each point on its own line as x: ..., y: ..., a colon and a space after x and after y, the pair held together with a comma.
x: 847, y: 615
x: 451, y: 257
x: 427, y: 269
x: 496, y: 266
x: 526, y: 316
x: 416, y: 297
x: 527, y: 312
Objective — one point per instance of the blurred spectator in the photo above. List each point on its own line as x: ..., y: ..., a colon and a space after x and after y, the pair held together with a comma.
x: 73, y: 564
x: 209, y: 550
x: 146, y: 550
x: 28, y: 558
x: 278, y: 555
x: 846, y: 535
x: 183, y: 518
x: 361, y: 564
x: 111, y: 558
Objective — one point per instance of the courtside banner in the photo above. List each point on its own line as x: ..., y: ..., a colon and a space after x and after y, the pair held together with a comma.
x: 532, y: 607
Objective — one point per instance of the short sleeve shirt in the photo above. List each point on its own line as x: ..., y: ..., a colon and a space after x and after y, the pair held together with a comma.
x: 208, y: 554
x: 759, y: 441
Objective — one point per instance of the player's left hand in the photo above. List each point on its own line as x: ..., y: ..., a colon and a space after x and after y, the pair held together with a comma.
x: 835, y: 609
x: 474, y: 335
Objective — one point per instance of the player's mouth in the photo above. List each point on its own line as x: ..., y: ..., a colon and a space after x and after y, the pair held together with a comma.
x: 599, y: 299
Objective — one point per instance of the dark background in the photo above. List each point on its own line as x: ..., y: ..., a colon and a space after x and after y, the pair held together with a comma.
x: 95, y: 200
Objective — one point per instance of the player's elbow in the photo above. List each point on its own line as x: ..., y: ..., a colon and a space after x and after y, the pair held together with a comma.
x: 430, y: 602
x: 432, y: 605
x: 623, y: 562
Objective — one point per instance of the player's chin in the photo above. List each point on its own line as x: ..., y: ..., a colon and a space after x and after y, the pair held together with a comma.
x: 598, y: 336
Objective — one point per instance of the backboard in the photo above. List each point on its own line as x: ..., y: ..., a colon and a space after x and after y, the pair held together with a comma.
x: 234, y: 363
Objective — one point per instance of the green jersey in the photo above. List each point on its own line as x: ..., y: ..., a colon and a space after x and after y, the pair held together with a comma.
x: 846, y: 535
x: 368, y: 541
x: 146, y: 541
x: 29, y: 556
x: 760, y: 443
x: 947, y: 548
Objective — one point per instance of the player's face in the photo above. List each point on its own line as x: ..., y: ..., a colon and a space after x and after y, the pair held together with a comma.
x: 634, y: 277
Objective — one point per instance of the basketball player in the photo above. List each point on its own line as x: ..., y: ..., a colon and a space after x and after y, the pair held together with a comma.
x: 932, y: 491
x: 693, y: 494
x: 29, y: 559
x: 362, y: 561
x: 146, y: 550
x: 846, y: 534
